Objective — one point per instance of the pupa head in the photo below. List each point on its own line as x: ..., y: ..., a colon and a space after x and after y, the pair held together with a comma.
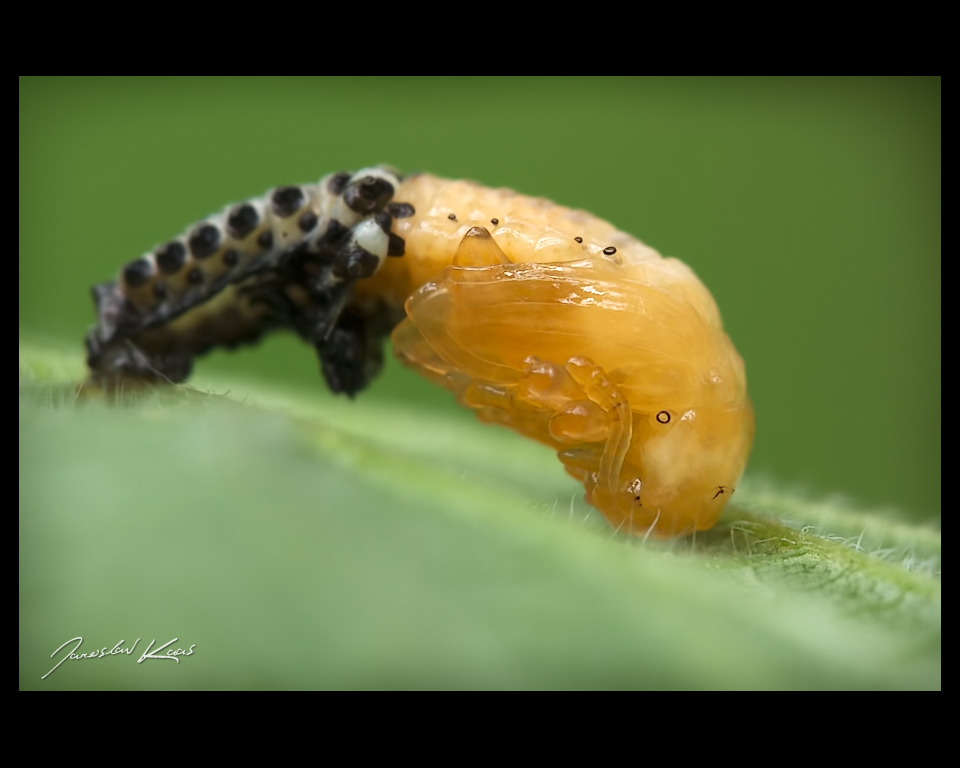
x: 679, y: 472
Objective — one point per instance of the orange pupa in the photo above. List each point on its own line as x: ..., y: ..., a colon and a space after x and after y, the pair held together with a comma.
x: 541, y: 318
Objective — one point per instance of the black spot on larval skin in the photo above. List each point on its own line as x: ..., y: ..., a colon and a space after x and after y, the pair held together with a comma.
x: 308, y: 220
x: 368, y: 194
x: 265, y: 239
x: 335, y: 232
x: 231, y: 258
x: 195, y: 276
x: 242, y: 220
x: 137, y: 273
x: 204, y: 241
x: 286, y: 201
x: 171, y: 257
x: 338, y: 182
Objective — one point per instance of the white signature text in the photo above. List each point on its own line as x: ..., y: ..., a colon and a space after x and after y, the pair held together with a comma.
x: 172, y: 654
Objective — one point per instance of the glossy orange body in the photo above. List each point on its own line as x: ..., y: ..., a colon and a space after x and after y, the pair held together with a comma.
x: 553, y: 323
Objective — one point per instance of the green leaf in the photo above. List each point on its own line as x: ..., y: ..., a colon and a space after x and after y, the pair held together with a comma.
x: 302, y: 541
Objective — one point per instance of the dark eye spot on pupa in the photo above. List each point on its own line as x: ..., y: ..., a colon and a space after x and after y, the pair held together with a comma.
x: 494, y: 221
x: 578, y: 239
x: 609, y: 250
x: 452, y: 217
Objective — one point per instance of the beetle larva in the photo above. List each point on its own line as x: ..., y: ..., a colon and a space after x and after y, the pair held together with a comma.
x: 542, y: 318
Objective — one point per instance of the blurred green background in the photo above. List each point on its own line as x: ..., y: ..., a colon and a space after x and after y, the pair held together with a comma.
x: 810, y: 208
x: 303, y: 541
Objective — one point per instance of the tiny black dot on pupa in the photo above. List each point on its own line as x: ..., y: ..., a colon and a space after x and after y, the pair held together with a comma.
x: 609, y: 250
x: 578, y: 239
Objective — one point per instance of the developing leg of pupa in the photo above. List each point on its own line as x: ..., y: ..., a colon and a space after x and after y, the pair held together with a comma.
x: 501, y: 337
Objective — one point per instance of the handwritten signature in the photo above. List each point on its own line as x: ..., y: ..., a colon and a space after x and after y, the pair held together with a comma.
x: 172, y: 654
